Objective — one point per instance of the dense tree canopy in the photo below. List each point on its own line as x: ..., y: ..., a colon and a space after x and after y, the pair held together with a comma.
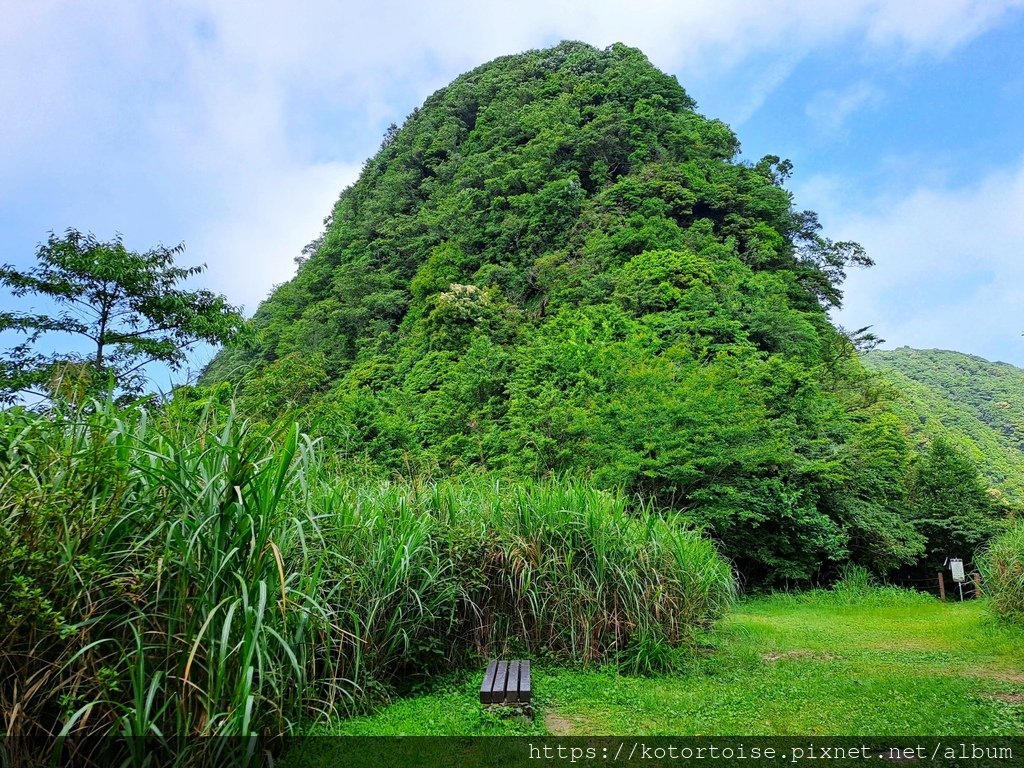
x: 557, y: 266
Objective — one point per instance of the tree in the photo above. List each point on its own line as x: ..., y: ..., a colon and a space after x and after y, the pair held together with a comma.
x: 125, y: 305
x: 872, y: 500
x: 950, y: 505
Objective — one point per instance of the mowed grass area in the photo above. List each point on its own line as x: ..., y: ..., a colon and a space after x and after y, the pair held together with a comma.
x: 879, y: 664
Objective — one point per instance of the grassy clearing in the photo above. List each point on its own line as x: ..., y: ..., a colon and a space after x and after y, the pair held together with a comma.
x: 883, y: 663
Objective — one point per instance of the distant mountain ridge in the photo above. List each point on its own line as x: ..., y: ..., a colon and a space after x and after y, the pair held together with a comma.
x: 975, y: 403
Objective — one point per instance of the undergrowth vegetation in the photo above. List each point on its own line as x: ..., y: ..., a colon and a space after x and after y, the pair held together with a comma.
x: 1002, y: 567
x: 162, y: 581
x: 856, y: 586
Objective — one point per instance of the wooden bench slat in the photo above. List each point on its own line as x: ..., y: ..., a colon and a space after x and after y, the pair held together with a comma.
x: 512, y: 689
x: 488, y: 684
x: 525, y: 692
x: 500, y: 681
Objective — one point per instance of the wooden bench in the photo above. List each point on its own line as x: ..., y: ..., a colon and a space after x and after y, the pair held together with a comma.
x: 506, y: 682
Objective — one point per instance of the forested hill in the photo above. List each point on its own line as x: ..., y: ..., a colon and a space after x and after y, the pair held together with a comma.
x: 975, y: 404
x: 556, y: 266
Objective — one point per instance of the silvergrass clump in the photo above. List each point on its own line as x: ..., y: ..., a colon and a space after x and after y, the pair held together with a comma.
x: 434, y: 575
x: 574, y: 573
x: 1002, y: 568
x: 158, y: 583
x: 163, y: 582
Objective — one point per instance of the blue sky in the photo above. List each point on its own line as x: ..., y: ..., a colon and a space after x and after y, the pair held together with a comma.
x: 234, y: 126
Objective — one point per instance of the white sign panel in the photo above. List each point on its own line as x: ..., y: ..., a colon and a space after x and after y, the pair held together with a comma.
x: 957, y: 567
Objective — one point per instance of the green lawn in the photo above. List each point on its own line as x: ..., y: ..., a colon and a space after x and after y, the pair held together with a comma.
x: 882, y: 665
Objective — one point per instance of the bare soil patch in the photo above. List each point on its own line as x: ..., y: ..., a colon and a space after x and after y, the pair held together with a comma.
x: 558, y: 725
x: 798, y: 654
x: 1002, y: 675
x: 1008, y: 698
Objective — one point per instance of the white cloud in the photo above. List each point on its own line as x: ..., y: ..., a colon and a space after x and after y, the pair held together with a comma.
x: 203, y: 121
x: 761, y: 85
x: 831, y: 108
x: 949, y: 270
x: 258, y: 235
x: 927, y: 26
x: 358, y: 45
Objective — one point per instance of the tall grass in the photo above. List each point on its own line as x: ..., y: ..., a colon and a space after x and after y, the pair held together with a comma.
x: 157, y: 583
x: 1002, y: 568
x: 553, y: 569
x: 162, y: 582
x: 575, y: 573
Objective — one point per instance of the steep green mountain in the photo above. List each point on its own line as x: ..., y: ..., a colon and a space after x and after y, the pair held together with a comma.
x: 974, y: 404
x: 556, y: 266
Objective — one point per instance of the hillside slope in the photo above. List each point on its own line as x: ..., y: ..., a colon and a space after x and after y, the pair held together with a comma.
x: 558, y: 267
x: 976, y: 404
